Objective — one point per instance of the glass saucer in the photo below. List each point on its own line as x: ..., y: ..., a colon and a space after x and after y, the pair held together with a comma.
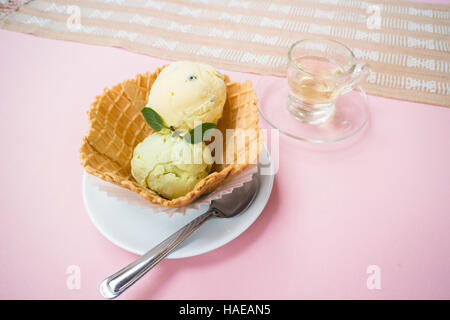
x: 350, y: 116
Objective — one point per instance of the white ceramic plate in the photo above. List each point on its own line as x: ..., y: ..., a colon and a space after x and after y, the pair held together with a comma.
x: 137, y: 230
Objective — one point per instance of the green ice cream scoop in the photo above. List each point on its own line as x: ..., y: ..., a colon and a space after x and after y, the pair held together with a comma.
x: 169, y: 165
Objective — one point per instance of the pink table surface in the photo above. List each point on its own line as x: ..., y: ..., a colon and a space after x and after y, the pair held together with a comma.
x: 383, y: 199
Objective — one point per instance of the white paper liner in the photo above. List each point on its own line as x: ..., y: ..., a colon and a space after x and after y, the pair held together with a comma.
x: 133, y: 198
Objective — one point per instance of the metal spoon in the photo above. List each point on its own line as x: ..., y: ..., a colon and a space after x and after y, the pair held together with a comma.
x: 228, y: 206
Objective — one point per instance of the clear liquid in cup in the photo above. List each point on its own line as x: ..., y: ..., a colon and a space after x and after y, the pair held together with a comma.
x: 317, y: 85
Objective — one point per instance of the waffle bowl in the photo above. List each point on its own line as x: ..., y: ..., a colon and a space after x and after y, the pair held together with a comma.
x: 117, y: 126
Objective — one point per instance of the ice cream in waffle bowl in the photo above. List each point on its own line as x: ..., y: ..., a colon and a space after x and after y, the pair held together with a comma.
x: 142, y: 129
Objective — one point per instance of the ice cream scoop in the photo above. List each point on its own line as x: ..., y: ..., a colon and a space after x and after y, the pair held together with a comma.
x: 169, y: 165
x: 188, y: 93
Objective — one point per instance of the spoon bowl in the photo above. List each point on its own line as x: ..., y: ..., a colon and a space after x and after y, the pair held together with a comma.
x: 237, y: 201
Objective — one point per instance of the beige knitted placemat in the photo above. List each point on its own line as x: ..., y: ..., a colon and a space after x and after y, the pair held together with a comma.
x: 406, y: 43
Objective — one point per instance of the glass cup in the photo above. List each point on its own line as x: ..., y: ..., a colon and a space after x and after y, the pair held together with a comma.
x: 319, y: 72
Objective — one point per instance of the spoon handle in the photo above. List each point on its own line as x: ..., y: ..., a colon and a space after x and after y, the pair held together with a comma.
x: 114, y: 285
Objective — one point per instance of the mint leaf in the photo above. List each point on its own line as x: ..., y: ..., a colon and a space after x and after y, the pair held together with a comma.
x: 202, y: 128
x: 153, y: 118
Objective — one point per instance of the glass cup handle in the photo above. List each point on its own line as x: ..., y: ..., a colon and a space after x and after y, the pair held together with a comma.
x: 360, y: 71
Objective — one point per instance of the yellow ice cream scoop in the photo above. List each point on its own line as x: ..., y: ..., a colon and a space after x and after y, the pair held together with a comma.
x: 169, y: 165
x: 188, y: 93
